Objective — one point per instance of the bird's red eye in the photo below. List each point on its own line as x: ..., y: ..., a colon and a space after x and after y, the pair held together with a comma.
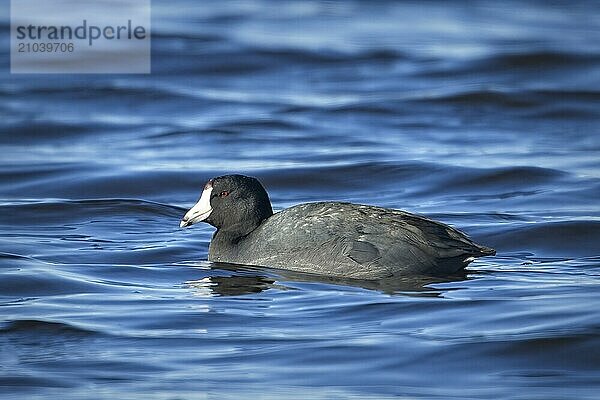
x: 224, y: 194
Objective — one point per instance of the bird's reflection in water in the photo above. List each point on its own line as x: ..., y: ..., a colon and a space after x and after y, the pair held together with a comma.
x: 234, y: 285
x: 243, y: 279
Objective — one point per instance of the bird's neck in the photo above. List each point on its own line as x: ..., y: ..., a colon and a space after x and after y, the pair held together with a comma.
x: 228, y: 242
x: 225, y: 246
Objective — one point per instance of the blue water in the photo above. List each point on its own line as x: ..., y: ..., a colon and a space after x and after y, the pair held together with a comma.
x: 483, y: 115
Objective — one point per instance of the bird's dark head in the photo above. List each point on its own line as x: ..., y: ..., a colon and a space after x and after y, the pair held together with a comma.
x: 234, y: 204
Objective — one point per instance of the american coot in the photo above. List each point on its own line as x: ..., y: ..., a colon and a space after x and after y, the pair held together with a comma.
x: 327, y: 238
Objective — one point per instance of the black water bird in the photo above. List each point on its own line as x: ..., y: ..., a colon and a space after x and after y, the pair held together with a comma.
x: 327, y: 238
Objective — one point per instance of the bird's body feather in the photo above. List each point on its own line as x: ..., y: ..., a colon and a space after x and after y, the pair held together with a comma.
x: 350, y: 240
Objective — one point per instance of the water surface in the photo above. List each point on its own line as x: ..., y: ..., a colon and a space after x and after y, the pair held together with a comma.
x: 479, y: 114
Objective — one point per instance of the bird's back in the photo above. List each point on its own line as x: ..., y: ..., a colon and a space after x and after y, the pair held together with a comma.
x: 356, y: 241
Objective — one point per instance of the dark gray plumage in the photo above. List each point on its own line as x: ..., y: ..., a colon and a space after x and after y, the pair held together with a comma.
x: 328, y: 238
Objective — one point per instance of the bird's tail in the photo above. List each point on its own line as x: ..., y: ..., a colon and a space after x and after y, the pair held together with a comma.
x: 483, y: 251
